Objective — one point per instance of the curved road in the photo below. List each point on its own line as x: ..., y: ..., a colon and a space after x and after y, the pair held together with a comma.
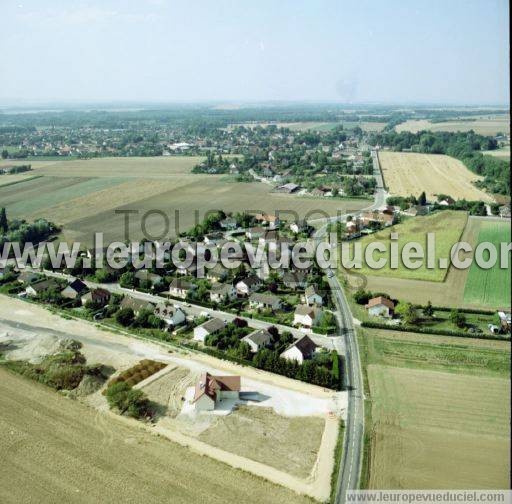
x: 352, y: 456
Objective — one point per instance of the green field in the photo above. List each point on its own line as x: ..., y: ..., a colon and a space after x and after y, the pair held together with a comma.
x: 438, y: 411
x: 490, y: 287
x: 447, y: 227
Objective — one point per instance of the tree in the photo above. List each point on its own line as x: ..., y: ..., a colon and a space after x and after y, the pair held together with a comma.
x: 125, y: 316
x: 428, y: 311
x: 4, y: 226
x: 127, y: 280
x: 457, y: 318
x: 422, y: 200
x: 5, y: 154
x: 362, y: 297
x: 407, y: 313
x: 128, y: 401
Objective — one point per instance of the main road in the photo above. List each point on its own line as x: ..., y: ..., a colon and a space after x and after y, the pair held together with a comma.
x: 352, y: 456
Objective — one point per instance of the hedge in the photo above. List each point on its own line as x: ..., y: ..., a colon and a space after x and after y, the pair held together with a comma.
x: 426, y: 330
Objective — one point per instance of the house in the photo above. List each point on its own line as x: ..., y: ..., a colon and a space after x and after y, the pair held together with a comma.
x: 217, y: 273
x: 307, y: 316
x: 269, y: 236
x: 448, y: 201
x: 27, y: 277
x: 180, y: 288
x: 288, y: 188
x: 211, y: 326
x: 146, y: 276
x: 137, y: 305
x: 35, y: 289
x: 384, y: 217
x: 272, y: 221
x: 213, y: 238
x: 247, y: 285
x: 210, y: 390
x: 98, y: 297
x: 380, y: 307
x: 295, y: 279
x: 416, y: 210
x: 172, y: 315
x: 301, y: 350
x: 190, y: 270
x: 268, y: 301
x: 74, y: 290
x: 255, y: 233
x: 229, y: 223
x: 504, y: 212
x: 258, y: 339
x: 505, y: 321
x: 312, y: 297
x: 220, y: 292
x: 353, y: 229
x: 299, y: 226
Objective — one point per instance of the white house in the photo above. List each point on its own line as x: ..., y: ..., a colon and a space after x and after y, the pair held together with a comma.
x: 172, y: 315
x: 211, y: 326
x: 307, y: 316
x: 74, y: 290
x: 264, y: 300
x: 380, y: 307
x: 211, y: 390
x: 302, y: 349
x: 258, y: 339
x: 267, y: 219
x: 180, y: 288
x: 247, y: 285
x: 312, y: 297
x: 299, y: 226
x: 220, y: 292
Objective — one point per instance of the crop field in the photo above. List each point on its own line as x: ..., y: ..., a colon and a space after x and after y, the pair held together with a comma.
x: 447, y: 227
x: 262, y: 435
x: 484, y: 125
x: 74, y: 453
x: 503, y: 153
x: 83, y: 196
x: 407, y: 173
x: 490, y: 287
x: 440, y: 411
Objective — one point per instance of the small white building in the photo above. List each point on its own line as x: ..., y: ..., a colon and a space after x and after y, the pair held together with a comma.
x: 180, y: 288
x: 74, y: 290
x: 211, y: 390
x: 258, y: 339
x: 211, y: 326
x: 172, y: 315
x: 247, y: 285
x: 301, y: 350
x: 307, y: 316
x: 380, y: 307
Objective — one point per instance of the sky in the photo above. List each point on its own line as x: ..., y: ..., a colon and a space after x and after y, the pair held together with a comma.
x: 361, y: 51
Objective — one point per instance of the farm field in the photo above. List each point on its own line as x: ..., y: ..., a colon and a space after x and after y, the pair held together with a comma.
x: 407, y: 173
x: 447, y: 227
x: 83, y: 195
x: 503, y: 153
x: 440, y: 412
x: 490, y: 287
x: 95, y: 458
x: 271, y: 439
x: 483, y: 125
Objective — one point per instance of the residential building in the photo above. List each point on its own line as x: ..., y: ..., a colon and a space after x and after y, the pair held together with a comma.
x: 180, y: 288
x: 312, y: 297
x: 301, y: 350
x: 258, y: 339
x: 380, y: 307
x: 221, y: 292
x: 247, y: 285
x: 212, y: 326
x: 264, y: 300
x: 172, y: 315
x: 74, y: 290
x: 299, y: 226
x: 307, y: 316
x: 35, y: 289
x: 295, y: 279
x: 146, y: 276
x: 137, y: 305
x: 210, y: 390
x: 99, y: 297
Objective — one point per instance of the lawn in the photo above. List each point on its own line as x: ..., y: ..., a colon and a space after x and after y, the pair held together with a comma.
x: 490, y: 287
x: 438, y: 411
x: 447, y: 226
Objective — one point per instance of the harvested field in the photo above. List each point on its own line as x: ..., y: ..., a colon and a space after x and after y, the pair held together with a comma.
x: 95, y: 458
x: 262, y: 435
x: 490, y: 287
x: 83, y: 196
x: 440, y: 411
x: 169, y: 389
x: 503, y: 153
x: 407, y: 173
x: 447, y: 227
x: 483, y: 125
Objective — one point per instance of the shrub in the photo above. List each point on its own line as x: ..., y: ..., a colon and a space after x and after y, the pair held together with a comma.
x: 128, y: 401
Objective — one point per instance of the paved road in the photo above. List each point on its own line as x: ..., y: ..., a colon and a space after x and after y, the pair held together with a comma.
x: 350, y: 466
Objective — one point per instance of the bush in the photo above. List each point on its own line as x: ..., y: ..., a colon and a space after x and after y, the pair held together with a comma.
x: 128, y: 401
x: 125, y: 316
